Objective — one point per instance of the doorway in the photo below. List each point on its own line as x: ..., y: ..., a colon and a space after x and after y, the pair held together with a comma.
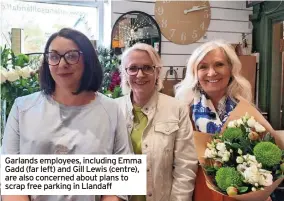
x: 277, y: 79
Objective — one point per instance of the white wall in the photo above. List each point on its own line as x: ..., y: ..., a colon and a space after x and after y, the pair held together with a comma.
x: 229, y: 19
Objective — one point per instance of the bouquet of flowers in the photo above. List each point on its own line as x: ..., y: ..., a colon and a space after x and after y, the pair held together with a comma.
x: 245, y: 160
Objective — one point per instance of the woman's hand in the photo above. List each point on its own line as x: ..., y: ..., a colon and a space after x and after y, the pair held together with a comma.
x: 269, y: 199
x: 110, y: 198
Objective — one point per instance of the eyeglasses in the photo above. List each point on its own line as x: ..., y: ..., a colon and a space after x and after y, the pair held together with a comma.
x: 71, y: 57
x: 133, y: 70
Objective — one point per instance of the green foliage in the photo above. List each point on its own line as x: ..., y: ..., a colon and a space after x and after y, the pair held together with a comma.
x: 231, y: 134
x: 110, y: 64
x: 227, y: 176
x: 267, y: 153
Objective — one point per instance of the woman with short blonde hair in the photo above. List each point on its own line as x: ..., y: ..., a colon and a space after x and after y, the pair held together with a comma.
x: 158, y: 126
x: 152, y: 54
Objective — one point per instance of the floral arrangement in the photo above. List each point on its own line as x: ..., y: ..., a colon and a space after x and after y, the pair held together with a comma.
x: 243, y: 158
x: 111, y: 82
x: 18, y: 78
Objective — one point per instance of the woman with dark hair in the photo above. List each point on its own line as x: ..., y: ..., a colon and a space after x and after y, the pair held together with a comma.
x: 66, y: 116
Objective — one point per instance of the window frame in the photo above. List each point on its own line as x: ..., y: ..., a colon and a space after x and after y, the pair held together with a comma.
x: 99, y: 4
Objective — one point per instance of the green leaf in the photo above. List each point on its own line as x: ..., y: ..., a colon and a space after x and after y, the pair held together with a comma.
x: 236, y: 146
x: 242, y: 189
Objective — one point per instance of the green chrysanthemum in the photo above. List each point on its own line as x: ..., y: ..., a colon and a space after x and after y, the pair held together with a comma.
x: 267, y: 153
x: 227, y: 176
x: 232, y: 133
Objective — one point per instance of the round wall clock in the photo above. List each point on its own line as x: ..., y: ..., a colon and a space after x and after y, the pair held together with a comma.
x: 183, y: 22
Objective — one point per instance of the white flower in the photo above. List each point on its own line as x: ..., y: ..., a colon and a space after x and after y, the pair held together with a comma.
x: 241, y: 168
x: 26, y: 72
x: 221, y: 146
x: 258, y: 127
x: 12, y: 75
x: 251, y: 175
x: 3, y: 75
x: 225, y: 155
x: 240, y: 151
x: 240, y: 159
x: 232, y: 124
x: 210, y: 153
x: 266, y: 179
x: 251, y: 122
x: 210, y: 145
x: 225, y: 158
x: 253, y: 189
x: 240, y: 122
x: 246, y: 117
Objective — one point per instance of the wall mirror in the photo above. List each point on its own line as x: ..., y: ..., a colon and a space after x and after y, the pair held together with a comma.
x: 135, y: 27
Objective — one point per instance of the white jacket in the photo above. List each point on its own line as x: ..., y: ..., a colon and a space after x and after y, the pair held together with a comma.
x: 168, y: 143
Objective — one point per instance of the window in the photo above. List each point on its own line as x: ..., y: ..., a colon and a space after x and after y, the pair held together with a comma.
x: 39, y: 19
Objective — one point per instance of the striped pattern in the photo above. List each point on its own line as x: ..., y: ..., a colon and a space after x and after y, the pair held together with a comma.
x: 229, y: 19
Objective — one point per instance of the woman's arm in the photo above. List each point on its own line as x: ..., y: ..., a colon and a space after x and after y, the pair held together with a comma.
x: 185, y: 160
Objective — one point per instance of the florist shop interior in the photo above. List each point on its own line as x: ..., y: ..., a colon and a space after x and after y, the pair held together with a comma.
x: 254, y: 28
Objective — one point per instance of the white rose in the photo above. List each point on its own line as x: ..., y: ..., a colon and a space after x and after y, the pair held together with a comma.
x: 221, y: 146
x: 259, y: 128
x: 240, y: 122
x: 251, y: 175
x: 26, y: 72
x: 241, y: 168
x: 210, y: 153
x: 266, y: 179
x: 251, y: 122
x: 3, y: 75
x: 12, y: 75
x: 232, y: 124
x: 240, y: 159
x: 225, y: 158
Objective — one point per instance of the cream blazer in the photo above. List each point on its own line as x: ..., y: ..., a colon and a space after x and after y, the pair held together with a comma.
x: 168, y: 143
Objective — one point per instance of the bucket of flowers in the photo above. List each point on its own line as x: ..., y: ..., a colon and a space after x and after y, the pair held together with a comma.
x: 246, y: 160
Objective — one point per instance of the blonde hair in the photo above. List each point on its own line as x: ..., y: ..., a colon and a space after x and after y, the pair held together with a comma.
x: 238, y: 86
x: 154, y: 57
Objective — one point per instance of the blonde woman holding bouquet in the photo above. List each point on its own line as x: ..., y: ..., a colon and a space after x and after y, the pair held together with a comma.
x: 212, y: 88
x: 159, y: 126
